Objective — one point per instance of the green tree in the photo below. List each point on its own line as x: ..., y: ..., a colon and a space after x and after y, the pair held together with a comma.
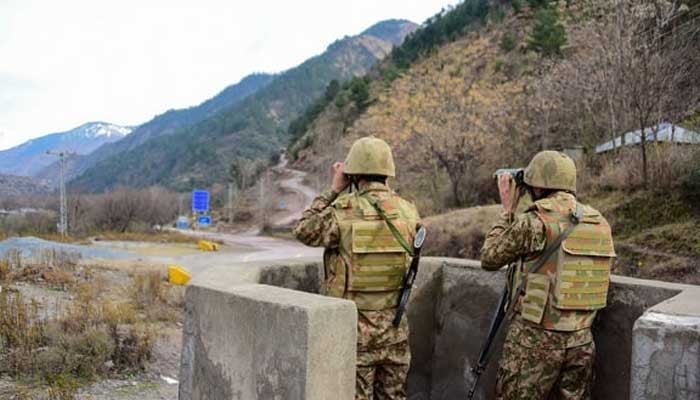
x: 548, y: 35
x: 508, y: 41
x: 359, y: 92
x: 538, y: 3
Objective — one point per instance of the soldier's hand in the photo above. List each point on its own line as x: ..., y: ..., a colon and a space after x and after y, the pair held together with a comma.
x: 508, y: 193
x: 339, y: 181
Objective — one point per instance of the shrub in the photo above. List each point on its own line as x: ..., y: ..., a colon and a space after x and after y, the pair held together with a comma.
x: 517, y: 6
x: 152, y: 295
x: 508, y: 41
x: 691, y: 184
x: 548, y: 36
x: 91, y: 337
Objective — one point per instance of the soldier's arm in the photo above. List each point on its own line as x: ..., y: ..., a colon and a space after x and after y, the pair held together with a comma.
x: 317, y: 226
x: 511, y: 239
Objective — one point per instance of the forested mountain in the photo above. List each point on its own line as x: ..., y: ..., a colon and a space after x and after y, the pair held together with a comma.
x: 29, y: 158
x: 252, y: 129
x: 487, y: 83
x: 164, y: 124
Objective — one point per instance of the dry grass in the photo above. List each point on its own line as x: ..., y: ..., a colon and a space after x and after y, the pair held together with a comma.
x: 151, y: 294
x: 667, y: 167
x: 56, y: 269
x: 105, y: 330
x: 459, y: 233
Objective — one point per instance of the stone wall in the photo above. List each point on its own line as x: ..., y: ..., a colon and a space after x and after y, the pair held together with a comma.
x: 647, y: 338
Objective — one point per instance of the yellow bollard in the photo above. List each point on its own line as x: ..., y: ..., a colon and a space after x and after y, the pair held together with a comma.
x: 206, y: 245
x: 178, y: 275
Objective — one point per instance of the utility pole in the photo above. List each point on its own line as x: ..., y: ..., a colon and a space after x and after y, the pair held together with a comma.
x: 231, y: 194
x: 63, y: 221
x: 262, y: 201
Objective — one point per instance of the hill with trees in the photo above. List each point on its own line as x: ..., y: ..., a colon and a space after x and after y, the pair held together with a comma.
x: 253, y: 129
x: 487, y: 84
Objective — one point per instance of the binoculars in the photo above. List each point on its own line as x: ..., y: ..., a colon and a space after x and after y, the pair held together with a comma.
x: 518, y: 174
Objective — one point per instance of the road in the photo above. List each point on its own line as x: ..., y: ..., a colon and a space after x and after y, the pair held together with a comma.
x: 299, y: 194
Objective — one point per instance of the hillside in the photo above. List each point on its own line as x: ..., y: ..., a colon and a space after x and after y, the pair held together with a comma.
x: 12, y: 186
x: 253, y: 129
x: 164, y: 124
x: 505, y: 83
x: 29, y: 158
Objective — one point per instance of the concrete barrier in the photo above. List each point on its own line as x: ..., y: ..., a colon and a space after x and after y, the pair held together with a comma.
x: 251, y: 341
x: 647, y: 338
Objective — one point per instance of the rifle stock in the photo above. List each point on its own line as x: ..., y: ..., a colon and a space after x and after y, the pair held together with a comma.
x: 494, y: 329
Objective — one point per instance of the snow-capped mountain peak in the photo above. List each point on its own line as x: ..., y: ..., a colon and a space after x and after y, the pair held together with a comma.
x: 30, y: 157
x: 104, y: 129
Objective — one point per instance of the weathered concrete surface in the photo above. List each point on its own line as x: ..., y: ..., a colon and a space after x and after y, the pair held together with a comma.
x: 457, y: 299
x: 251, y: 341
x: 449, y: 315
x: 666, y: 357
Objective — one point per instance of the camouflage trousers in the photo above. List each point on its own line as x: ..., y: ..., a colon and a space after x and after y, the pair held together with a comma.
x: 383, y: 356
x: 534, y: 368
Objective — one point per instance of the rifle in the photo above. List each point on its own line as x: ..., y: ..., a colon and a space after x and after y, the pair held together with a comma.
x: 410, y: 276
x: 505, y: 306
x: 413, y: 252
x: 494, y: 329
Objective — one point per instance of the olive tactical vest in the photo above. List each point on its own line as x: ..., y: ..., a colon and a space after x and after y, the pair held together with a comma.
x: 565, y: 293
x: 370, y: 264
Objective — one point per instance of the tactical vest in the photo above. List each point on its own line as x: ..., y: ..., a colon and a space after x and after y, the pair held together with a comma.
x: 565, y: 293
x: 370, y: 264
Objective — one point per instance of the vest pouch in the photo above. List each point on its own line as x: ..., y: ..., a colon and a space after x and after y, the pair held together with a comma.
x: 535, y: 299
x: 379, y: 263
x: 583, y: 269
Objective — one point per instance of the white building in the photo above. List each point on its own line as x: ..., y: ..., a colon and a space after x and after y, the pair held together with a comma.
x: 664, y: 132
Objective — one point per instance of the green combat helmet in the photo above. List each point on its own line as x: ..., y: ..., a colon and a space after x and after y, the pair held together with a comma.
x: 370, y: 156
x: 551, y: 170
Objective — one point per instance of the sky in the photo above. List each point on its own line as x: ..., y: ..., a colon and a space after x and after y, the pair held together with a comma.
x: 64, y: 63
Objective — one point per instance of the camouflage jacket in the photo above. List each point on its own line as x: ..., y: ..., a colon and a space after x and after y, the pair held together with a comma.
x: 514, y: 239
x: 334, y: 221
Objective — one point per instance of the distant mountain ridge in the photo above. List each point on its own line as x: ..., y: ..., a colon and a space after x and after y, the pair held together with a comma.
x: 252, y: 129
x: 12, y: 185
x: 29, y: 158
x: 165, y: 124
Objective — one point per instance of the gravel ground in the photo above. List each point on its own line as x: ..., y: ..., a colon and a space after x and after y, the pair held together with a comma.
x: 32, y: 247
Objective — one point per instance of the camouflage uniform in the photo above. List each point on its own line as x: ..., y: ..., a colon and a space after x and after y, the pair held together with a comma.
x: 552, y: 353
x: 383, y: 353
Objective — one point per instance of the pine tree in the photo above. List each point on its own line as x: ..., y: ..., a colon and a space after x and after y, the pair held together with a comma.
x: 549, y: 35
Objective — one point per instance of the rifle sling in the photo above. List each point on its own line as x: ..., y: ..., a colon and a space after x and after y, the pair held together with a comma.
x: 575, y: 219
x: 394, y: 230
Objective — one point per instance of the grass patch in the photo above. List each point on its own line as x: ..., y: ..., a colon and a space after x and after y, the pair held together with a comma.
x: 99, y: 333
x: 459, y: 233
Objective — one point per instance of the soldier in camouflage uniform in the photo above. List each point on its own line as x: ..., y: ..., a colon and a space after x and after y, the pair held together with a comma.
x: 365, y: 261
x: 549, y: 349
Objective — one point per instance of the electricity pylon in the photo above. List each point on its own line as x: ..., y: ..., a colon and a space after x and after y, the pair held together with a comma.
x: 63, y: 221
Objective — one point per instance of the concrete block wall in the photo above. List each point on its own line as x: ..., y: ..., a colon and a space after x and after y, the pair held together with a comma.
x: 253, y: 341
x: 647, y: 338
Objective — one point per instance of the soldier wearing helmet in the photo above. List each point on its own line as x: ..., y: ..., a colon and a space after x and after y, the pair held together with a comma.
x: 364, y: 260
x: 560, y: 253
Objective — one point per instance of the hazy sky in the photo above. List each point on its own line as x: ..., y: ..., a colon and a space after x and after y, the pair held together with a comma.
x: 63, y: 63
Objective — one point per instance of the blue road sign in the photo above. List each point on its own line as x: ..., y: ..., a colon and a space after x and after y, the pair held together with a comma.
x: 200, y: 201
x: 204, y: 221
